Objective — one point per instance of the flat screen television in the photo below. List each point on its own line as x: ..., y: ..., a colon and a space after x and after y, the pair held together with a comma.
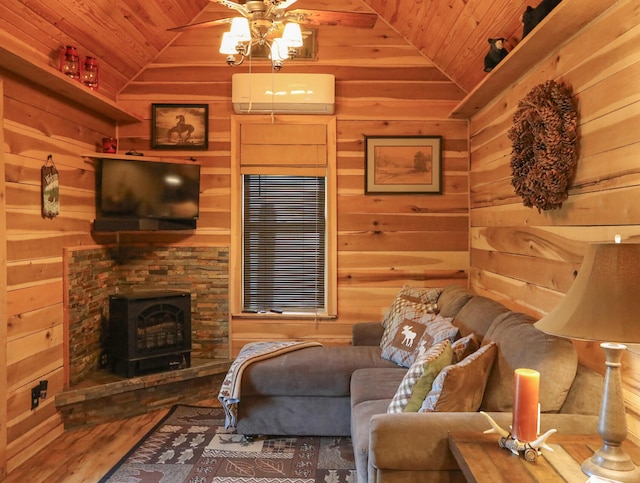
x: 130, y: 190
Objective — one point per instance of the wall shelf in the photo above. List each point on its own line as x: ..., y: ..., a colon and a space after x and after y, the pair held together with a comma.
x: 133, y: 157
x: 20, y: 59
x: 561, y: 24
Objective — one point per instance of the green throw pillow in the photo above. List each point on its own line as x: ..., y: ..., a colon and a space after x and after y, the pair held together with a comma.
x: 423, y: 385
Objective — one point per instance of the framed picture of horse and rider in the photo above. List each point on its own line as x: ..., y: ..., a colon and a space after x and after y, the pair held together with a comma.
x: 180, y: 126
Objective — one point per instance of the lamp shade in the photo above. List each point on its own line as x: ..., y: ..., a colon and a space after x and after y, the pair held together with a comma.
x: 603, y: 304
x: 279, y: 51
x: 240, y: 29
x: 228, y: 44
x: 292, y: 35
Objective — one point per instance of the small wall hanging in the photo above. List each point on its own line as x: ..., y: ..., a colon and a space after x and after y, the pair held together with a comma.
x: 50, y: 189
x: 544, y: 137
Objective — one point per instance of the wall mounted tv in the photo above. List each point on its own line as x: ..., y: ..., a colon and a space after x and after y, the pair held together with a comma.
x: 133, y: 194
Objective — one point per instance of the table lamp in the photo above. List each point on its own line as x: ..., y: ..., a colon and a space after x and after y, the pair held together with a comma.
x: 603, y: 304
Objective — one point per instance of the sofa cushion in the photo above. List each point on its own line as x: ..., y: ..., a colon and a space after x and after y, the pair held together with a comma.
x: 369, y: 384
x: 459, y: 387
x: 414, y: 295
x: 360, y: 416
x: 520, y: 344
x: 465, y: 346
x: 319, y: 371
x: 452, y: 299
x: 477, y: 315
x: 425, y: 368
x: 412, y: 331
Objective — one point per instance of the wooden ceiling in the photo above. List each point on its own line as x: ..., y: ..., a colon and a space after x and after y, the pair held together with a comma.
x: 127, y: 35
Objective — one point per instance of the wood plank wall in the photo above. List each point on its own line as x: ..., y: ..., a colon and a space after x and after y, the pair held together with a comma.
x: 37, y: 123
x: 529, y: 259
x: 383, y: 241
x: 3, y: 300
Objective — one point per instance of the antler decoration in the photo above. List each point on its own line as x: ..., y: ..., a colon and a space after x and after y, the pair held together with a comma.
x: 530, y: 450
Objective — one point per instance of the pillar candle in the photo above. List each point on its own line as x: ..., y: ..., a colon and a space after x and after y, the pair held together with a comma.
x: 525, y: 404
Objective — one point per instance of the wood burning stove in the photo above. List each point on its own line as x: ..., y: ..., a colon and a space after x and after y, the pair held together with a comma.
x: 149, y: 332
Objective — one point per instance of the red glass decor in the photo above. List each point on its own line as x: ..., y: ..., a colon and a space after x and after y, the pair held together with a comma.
x: 90, y: 75
x: 70, y: 62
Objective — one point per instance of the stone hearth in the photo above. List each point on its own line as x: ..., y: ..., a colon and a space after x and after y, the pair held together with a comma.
x: 95, y: 395
x: 94, y: 273
x: 106, y: 397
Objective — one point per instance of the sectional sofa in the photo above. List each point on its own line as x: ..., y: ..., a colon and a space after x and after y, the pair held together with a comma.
x: 369, y: 391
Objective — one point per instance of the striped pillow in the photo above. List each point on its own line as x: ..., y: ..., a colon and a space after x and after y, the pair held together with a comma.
x: 429, y: 363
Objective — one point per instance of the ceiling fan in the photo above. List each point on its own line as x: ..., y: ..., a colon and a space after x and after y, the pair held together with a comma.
x: 261, y: 21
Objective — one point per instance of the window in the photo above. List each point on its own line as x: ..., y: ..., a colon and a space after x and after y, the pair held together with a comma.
x: 284, y: 233
x: 283, y: 225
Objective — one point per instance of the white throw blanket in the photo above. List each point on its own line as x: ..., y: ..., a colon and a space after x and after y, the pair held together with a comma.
x: 229, y: 394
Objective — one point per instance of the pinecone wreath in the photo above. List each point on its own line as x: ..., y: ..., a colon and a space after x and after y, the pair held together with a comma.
x: 544, y: 138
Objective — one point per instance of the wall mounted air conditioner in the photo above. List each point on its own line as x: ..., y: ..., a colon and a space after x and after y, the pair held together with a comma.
x: 283, y: 93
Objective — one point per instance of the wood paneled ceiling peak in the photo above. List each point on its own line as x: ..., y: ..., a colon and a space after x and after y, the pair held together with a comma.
x: 128, y: 35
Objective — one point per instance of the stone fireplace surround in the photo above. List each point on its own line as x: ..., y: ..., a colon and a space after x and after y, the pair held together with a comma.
x: 93, y: 273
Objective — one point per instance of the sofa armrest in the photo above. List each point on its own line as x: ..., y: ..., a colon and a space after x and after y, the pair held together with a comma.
x: 428, y: 450
x: 367, y: 333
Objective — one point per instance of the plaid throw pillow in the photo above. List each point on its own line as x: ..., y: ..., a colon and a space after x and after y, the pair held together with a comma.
x: 428, y: 297
x: 438, y: 328
x: 464, y: 347
x: 429, y: 363
x: 414, y: 328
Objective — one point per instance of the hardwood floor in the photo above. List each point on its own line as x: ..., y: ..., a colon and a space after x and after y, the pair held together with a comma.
x: 85, y: 455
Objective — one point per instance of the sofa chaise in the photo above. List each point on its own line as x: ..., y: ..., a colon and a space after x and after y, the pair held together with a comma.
x: 357, y: 391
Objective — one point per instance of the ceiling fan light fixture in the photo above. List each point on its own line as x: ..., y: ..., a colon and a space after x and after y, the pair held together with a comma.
x: 292, y: 35
x: 260, y: 20
x: 228, y: 44
x: 279, y: 50
x: 279, y: 53
x: 240, y: 29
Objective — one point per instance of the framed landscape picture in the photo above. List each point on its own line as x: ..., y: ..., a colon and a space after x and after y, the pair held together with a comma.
x: 403, y: 164
x: 180, y: 126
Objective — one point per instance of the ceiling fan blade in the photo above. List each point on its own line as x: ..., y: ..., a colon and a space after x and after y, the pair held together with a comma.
x: 200, y: 25
x: 231, y: 5
x: 362, y: 20
x: 282, y: 4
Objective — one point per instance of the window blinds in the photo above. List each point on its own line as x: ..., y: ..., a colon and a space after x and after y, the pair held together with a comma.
x: 284, y: 241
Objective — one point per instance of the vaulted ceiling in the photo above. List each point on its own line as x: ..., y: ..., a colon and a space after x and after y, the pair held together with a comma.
x: 128, y: 35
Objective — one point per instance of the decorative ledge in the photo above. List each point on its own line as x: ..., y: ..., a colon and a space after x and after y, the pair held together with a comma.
x: 121, y: 399
x: 560, y: 25
x: 110, y: 384
x: 13, y: 57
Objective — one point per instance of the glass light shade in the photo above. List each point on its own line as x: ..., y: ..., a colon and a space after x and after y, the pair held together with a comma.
x: 240, y: 29
x: 228, y: 44
x: 279, y: 50
x: 292, y: 35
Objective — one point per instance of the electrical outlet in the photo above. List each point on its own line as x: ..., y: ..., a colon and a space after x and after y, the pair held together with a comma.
x: 35, y: 396
x: 43, y: 388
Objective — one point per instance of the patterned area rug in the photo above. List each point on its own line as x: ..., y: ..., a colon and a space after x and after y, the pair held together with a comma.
x: 190, y: 445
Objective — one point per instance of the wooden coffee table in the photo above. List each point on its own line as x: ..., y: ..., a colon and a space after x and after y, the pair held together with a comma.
x: 481, y: 459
